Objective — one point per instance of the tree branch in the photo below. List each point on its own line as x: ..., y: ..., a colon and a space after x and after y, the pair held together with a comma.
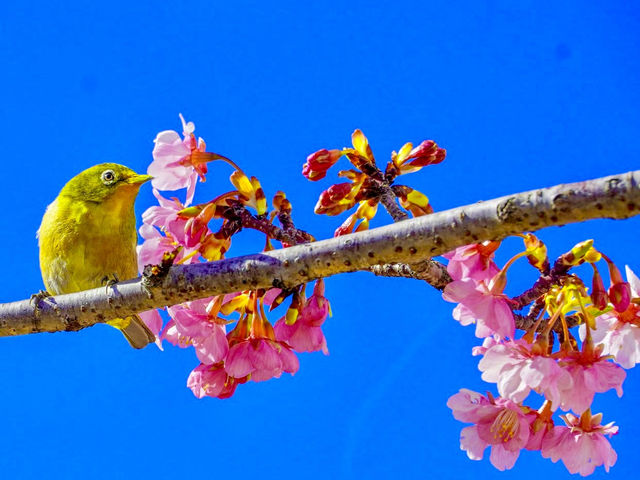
x: 432, y: 272
x: 408, y: 241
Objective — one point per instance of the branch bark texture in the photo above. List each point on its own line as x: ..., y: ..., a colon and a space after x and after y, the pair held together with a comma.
x: 408, y: 241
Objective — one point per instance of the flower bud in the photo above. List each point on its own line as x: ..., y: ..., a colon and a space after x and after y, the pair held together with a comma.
x: 619, y: 291
x: 599, y: 296
x: 334, y: 200
x: 317, y: 164
x: 427, y: 153
x: 620, y: 296
x: 576, y: 256
x: 280, y: 202
x: 536, y: 252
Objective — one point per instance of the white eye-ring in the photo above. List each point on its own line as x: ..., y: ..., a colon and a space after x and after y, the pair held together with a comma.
x: 108, y: 177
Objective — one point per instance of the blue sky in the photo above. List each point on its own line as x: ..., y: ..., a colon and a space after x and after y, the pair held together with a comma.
x: 522, y: 96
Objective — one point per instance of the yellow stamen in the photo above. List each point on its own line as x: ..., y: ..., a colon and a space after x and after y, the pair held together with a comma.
x: 187, y: 257
x: 505, y: 426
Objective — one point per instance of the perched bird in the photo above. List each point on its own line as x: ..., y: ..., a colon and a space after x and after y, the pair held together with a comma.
x: 88, y: 237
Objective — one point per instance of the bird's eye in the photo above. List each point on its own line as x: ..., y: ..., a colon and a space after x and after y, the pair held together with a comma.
x: 108, y: 177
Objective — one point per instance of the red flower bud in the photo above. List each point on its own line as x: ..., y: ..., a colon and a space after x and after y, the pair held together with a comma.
x: 317, y: 164
x: 427, y: 153
x: 334, y: 199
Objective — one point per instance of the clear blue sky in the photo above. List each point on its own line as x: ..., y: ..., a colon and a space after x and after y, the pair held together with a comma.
x: 522, y: 96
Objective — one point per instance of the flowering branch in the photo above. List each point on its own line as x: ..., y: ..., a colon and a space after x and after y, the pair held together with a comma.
x: 409, y: 241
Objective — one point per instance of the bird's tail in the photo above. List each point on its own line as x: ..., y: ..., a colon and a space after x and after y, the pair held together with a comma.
x: 134, y: 330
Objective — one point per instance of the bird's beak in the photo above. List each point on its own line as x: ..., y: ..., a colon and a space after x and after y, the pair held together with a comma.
x: 138, y: 179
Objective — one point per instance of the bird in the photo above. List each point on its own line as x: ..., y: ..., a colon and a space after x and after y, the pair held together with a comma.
x: 88, y: 238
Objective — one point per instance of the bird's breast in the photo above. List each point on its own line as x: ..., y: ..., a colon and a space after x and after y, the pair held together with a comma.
x: 81, y: 243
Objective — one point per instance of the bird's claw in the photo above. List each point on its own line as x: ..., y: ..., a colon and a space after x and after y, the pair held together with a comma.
x: 146, y: 290
x: 36, y: 298
x: 109, y: 281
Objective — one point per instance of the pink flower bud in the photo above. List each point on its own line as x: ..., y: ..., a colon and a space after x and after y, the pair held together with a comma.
x: 620, y: 296
x: 317, y: 307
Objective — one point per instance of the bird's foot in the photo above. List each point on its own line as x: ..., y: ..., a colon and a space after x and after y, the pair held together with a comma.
x: 109, y: 281
x: 147, y: 290
x: 36, y: 298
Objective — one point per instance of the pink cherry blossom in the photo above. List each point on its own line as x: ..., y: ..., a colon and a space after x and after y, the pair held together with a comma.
x: 261, y: 358
x: 465, y: 316
x: 153, y: 320
x: 211, y: 381
x: 517, y: 367
x: 301, y: 336
x: 591, y: 373
x: 171, y: 167
x: 487, y: 343
x: 478, y: 304
x: 174, y: 337
x: 619, y: 339
x: 499, y: 423
x: 165, y: 216
x: 317, y: 307
x: 270, y: 295
x: 255, y: 351
x: 541, y: 425
x: 581, y: 444
x: 184, y: 232
x: 619, y: 332
x: 305, y: 335
x: 155, y: 245
x: 208, y: 337
x: 473, y: 262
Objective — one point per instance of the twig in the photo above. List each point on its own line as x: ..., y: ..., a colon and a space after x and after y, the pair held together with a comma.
x: 388, y: 200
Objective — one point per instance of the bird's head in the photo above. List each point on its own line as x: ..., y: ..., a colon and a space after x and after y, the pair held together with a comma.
x: 106, y: 181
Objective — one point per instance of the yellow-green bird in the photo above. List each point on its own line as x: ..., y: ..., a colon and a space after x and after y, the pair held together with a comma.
x: 88, y: 236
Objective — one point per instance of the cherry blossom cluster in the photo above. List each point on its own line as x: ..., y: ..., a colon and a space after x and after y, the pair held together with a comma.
x: 233, y: 339
x: 368, y: 185
x: 566, y: 367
